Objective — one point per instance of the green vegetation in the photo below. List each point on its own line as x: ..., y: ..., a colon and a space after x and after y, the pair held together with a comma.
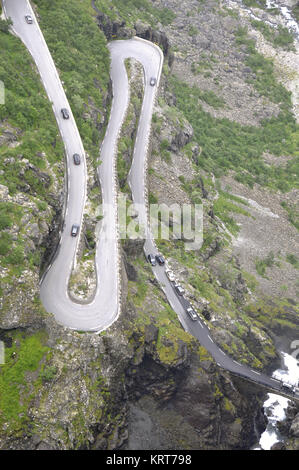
x: 26, y: 107
x: 141, y: 291
x: 193, y: 31
x: 48, y: 373
x: 226, y: 145
x: 11, y: 252
x: 217, y: 393
x: 152, y: 199
x: 203, y: 353
x: 133, y: 10
x: 292, y: 259
x: 208, y: 97
x: 5, y: 243
x: 269, y: 313
x: 262, y: 264
x: 223, y: 207
x: 293, y: 213
x: 228, y: 406
x: 255, y: 3
x: 70, y: 31
x: 18, y: 383
x: 222, y: 299
x: 164, y: 152
x: 4, y: 25
x: 204, y: 64
x: 28, y: 115
x: 154, y: 311
x: 263, y: 68
x: 12, y: 249
x: 127, y: 138
x: 278, y: 37
x: 125, y: 145
x: 5, y: 215
x: 262, y: 5
x: 229, y: 12
x: 295, y: 12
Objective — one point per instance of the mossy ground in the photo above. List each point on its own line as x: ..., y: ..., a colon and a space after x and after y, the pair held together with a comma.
x: 21, y: 377
x: 153, y: 310
x: 133, y: 10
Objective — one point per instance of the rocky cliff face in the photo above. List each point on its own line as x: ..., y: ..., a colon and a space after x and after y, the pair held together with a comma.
x: 91, y: 391
x: 29, y: 240
x: 289, y: 429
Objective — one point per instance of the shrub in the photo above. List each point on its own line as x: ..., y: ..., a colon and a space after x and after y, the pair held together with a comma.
x: 262, y: 264
x: 292, y: 259
x: 4, y: 25
x: 16, y: 256
x: 48, y: 373
x: 278, y: 37
x: 5, y: 243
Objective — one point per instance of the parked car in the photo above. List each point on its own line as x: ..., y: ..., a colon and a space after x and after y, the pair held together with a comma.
x: 75, y: 230
x: 152, y: 259
x: 153, y: 81
x: 192, y: 314
x: 65, y: 113
x: 170, y: 275
x: 77, y: 159
x: 160, y: 259
x: 179, y: 289
x: 29, y: 19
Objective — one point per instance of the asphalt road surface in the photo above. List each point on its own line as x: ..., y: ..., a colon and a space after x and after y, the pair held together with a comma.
x: 104, y: 309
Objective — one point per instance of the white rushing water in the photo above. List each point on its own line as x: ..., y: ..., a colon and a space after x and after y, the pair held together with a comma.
x: 291, y: 24
x: 287, y: 18
x: 275, y: 406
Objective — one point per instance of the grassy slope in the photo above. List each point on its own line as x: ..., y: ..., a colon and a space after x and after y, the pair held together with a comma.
x: 228, y: 145
x: 28, y: 115
x: 133, y: 10
x: 22, y: 359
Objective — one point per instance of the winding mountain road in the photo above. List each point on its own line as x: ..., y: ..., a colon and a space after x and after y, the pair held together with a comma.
x: 104, y: 309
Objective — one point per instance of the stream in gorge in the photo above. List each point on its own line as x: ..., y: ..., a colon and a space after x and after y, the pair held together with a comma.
x: 275, y: 406
x: 285, y: 17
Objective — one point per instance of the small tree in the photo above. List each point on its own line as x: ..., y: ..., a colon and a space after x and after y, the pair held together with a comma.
x: 4, y: 25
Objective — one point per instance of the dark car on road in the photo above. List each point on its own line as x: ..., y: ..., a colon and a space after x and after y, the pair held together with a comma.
x: 152, y: 259
x: 153, y: 81
x: 77, y: 159
x: 286, y: 387
x: 160, y: 260
x: 65, y: 113
x: 28, y: 19
x: 75, y: 230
